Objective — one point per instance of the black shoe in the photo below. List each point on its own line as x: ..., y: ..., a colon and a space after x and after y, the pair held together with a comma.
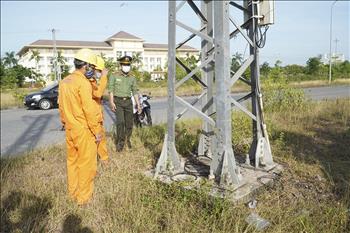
x: 128, y: 143
x: 119, y: 148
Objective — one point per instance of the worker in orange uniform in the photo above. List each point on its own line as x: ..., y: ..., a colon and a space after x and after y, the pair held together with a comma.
x: 99, y: 83
x: 83, y: 131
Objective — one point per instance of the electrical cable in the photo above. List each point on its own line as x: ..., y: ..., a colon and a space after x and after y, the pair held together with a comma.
x: 260, y: 37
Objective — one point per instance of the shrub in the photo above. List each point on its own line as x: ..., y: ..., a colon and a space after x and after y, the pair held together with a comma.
x: 280, y: 97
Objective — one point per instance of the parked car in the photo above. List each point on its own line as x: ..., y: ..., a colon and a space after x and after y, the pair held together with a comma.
x: 44, y: 99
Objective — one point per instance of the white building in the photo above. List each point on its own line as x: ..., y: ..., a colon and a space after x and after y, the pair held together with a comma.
x: 336, y: 58
x: 153, y: 56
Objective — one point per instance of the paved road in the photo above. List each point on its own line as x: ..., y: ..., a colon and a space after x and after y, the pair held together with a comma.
x: 23, y: 130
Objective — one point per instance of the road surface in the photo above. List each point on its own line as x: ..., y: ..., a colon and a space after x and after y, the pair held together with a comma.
x: 23, y: 130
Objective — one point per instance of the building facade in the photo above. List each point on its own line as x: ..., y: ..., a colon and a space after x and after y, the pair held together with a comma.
x: 336, y: 58
x: 153, y: 57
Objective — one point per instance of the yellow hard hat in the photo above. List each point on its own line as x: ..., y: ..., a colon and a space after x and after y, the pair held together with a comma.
x: 100, y: 63
x: 86, y: 55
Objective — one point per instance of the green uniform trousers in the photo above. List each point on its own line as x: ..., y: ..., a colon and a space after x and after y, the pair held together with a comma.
x: 124, y: 120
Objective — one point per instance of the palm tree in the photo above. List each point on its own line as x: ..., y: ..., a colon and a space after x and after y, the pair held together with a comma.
x: 60, y: 59
x: 61, y: 62
x: 137, y: 60
x: 36, y: 56
x: 10, y: 59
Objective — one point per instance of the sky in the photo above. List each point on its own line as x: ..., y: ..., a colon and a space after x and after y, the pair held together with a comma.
x: 301, y: 28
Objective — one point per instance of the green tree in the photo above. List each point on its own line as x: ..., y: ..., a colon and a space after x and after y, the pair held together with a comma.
x: 313, y: 65
x: 36, y: 57
x: 61, y: 60
x: 341, y: 70
x: 191, y: 61
x: 236, y: 61
x: 294, y: 72
x: 137, y: 61
x: 278, y: 64
x: 10, y: 59
x: 276, y: 72
x: 265, y: 69
x: 65, y: 71
x: 15, y: 76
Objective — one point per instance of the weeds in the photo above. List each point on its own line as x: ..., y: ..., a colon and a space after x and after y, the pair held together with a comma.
x: 312, y: 195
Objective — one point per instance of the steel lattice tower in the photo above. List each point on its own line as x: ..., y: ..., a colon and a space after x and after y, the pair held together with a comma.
x: 216, y: 99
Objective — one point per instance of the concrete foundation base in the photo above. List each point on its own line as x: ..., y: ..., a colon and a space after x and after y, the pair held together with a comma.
x: 195, y: 177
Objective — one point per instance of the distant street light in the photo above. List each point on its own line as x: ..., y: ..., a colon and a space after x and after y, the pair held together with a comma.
x: 330, y: 45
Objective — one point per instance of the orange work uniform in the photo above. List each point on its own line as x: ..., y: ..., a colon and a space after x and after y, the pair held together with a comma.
x: 78, y: 115
x: 97, y: 93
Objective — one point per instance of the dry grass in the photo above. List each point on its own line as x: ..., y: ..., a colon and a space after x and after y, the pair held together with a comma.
x: 13, y: 98
x: 9, y: 101
x: 311, y: 196
x: 319, y: 83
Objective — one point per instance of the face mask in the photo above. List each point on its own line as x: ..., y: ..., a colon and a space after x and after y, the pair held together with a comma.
x: 89, y: 72
x: 98, y: 74
x: 126, y: 69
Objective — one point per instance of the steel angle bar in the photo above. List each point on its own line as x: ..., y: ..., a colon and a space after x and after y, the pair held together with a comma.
x: 189, y: 75
x: 232, y: 3
x: 246, y: 81
x: 190, y: 37
x: 196, y: 10
x: 188, y: 70
x: 245, y: 97
x: 195, y: 110
x: 210, y: 51
x: 181, y: 4
x: 198, y: 33
x: 241, y: 31
x: 192, y: 103
x: 245, y: 24
x: 208, y: 104
x: 241, y: 70
x: 242, y: 108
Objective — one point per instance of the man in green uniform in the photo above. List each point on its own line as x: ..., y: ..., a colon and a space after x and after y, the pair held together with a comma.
x: 121, y: 86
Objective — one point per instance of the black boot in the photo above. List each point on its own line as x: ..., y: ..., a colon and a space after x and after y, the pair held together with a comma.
x: 128, y: 143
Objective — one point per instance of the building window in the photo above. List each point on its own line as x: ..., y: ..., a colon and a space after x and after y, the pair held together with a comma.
x: 159, y: 61
x: 119, y: 54
x: 151, y: 60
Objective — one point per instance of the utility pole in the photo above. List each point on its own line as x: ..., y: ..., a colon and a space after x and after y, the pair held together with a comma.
x: 55, y: 62
x: 336, y: 45
x: 330, y: 44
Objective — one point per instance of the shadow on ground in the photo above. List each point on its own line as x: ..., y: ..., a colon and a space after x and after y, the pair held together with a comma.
x: 24, y: 212
x: 73, y: 224
x: 328, y: 143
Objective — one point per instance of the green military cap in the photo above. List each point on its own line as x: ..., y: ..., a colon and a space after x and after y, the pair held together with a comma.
x: 125, y: 60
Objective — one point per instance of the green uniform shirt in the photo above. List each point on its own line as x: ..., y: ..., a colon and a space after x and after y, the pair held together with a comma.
x: 122, y: 86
